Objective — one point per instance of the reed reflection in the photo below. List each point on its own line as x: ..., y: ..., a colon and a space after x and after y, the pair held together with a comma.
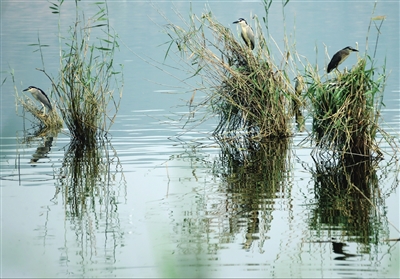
x: 256, y: 174
x: 252, y: 177
x: 348, y: 200
x: 90, y: 194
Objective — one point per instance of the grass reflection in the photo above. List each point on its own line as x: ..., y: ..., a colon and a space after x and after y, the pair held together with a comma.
x: 85, y: 176
x: 90, y: 192
x: 255, y: 174
x: 251, y: 176
x: 347, y: 197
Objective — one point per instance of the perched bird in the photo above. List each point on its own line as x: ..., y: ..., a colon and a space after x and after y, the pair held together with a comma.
x: 247, y: 32
x: 39, y: 95
x: 299, y: 85
x: 298, y: 88
x: 339, y: 57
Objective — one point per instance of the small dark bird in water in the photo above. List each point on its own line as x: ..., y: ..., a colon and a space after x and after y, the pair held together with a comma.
x: 39, y: 95
x: 247, y: 32
x: 339, y: 57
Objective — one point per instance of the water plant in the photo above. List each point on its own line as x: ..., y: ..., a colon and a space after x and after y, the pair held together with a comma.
x: 249, y: 91
x: 49, y: 121
x: 86, y: 84
x: 346, y: 109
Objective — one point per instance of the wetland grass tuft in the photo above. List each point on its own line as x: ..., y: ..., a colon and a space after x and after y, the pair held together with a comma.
x: 346, y: 109
x: 249, y: 92
x: 50, y: 121
x: 254, y: 96
x: 86, y: 81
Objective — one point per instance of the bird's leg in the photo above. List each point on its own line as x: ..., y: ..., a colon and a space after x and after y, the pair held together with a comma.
x: 338, y: 73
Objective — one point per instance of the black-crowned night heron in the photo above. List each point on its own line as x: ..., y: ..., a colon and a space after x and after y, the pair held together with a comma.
x: 247, y: 32
x: 298, y: 85
x: 39, y: 95
x: 339, y: 57
x: 298, y: 88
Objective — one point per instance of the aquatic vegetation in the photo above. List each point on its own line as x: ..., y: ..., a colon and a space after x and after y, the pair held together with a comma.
x: 247, y: 89
x: 86, y: 83
x: 254, y: 96
x: 346, y: 109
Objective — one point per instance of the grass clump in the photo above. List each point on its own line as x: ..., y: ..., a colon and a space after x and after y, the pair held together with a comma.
x: 51, y: 120
x: 85, y: 85
x: 245, y: 88
x: 346, y: 109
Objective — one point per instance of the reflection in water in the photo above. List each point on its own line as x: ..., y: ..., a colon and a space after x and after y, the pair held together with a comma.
x: 90, y: 199
x: 255, y: 174
x: 42, y: 151
x: 40, y: 133
x: 252, y: 177
x: 337, y: 248
x: 43, y: 137
x: 348, y: 198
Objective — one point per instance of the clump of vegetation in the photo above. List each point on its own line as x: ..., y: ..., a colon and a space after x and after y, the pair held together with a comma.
x: 51, y: 119
x: 247, y: 89
x: 346, y: 109
x: 344, y: 113
x: 254, y: 96
x: 85, y: 86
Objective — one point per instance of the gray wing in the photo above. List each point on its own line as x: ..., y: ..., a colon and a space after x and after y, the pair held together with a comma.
x: 45, y: 100
x: 251, y: 36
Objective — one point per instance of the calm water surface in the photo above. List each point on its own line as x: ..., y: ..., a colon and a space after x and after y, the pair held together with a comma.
x: 172, y: 202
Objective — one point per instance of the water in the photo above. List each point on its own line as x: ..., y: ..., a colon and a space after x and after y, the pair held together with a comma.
x: 169, y: 204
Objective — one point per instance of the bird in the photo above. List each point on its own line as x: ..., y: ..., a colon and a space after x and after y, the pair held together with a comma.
x: 247, y: 32
x: 299, y: 85
x: 339, y: 57
x: 39, y: 95
x: 298, y: 88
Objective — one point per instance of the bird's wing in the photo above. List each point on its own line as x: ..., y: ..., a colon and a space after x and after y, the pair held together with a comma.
x: 251, y: 36
x: 333, y: 63
x: 44, y: 99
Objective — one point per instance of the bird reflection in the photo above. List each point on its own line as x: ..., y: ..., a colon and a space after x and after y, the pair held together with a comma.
x: 42, y: 151
x: 337, y: 248
x: 253, y: 223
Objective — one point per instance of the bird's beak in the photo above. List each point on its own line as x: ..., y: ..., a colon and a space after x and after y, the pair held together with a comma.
x: 237, y: 21
x: 26, y: 89
x: 353, y: 49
